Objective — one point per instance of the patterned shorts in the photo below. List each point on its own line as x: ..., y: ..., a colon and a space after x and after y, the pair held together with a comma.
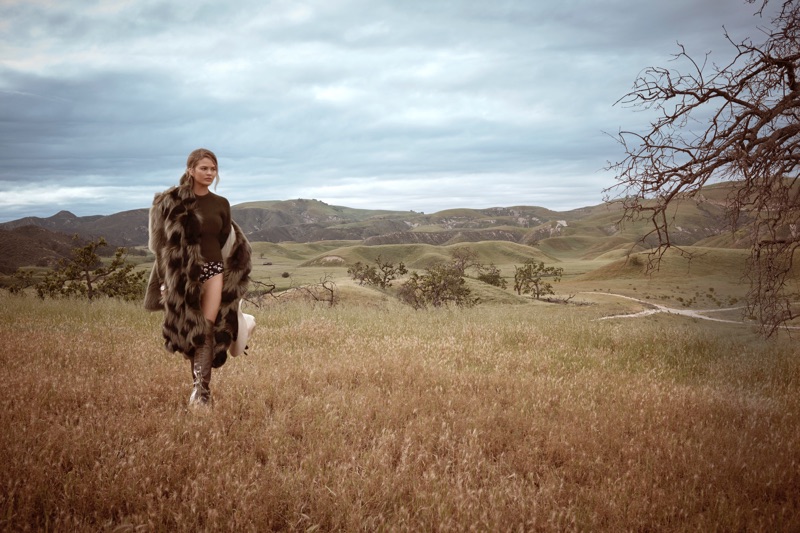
x: 210, y: 269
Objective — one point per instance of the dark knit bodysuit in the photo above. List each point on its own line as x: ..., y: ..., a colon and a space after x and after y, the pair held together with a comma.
x: 215, y: 213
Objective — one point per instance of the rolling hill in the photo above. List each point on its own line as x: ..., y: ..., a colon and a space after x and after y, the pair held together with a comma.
x: 585, y: 233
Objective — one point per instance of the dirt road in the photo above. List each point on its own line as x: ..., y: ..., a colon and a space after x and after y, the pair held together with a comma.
x: 658, y: 308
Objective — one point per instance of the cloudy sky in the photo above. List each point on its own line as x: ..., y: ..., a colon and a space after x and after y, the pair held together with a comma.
x: 389, y: 104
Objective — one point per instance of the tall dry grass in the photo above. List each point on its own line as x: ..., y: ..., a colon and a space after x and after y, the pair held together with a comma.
x: 382, y: 418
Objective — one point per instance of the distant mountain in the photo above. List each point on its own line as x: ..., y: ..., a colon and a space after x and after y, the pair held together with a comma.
x: 127, y: 228
x: 35, y: 246
x: 63, y: 221
x: 32, y: 246
x: 583, y: 232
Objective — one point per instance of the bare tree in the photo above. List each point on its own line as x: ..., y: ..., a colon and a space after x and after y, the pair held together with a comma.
x: 259, y: 291
x: 324, y: 291
x: 735, y: 122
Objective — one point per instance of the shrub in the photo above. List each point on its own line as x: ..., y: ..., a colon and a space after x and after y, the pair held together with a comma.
x: 440, y: 285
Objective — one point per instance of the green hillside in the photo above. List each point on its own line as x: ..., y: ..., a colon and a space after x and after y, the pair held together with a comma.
x: 419, y: 256
x: 318, y: 209
x: 716, y: 263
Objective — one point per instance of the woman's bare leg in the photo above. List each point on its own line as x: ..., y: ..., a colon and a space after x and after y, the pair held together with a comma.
x: 211, y: 297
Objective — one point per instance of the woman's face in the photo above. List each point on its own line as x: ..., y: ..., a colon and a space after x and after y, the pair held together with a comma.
x: 204, y: 172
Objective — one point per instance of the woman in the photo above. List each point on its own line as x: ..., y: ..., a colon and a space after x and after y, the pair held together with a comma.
x: 201, y: 270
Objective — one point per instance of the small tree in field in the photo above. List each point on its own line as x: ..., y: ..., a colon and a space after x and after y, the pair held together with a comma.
x: 120, y: 280
x: 440, y: 285
x: 491, y: 274
x: 363, y: 273
x: 22, y: 279
x: 381, y: 274
x: 738, y: 122
x: 387, y: 272
x: 464, y: 258
x: 529, y: 278
x: 84, y: 274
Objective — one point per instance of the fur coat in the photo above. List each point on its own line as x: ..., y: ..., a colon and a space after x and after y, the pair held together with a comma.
x: 174, y: 228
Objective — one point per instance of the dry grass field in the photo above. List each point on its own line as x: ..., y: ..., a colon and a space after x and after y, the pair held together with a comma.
x: 374, y: 417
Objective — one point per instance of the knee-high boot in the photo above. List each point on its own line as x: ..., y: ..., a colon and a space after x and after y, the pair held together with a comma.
x: 201, y: 371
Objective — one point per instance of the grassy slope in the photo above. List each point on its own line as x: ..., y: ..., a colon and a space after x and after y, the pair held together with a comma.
x: 723, y: 264
x: 377, y: 417
x: 423, y: 255
x: 317, y: 208
x: 714, y: 277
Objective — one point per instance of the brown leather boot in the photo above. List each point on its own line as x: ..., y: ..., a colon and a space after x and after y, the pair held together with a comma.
x: 201, y: 372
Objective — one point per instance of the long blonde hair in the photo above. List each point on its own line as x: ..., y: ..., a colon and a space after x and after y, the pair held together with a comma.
x: 192, y: 161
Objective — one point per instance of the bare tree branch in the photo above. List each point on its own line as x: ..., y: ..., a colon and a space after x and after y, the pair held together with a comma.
x: 739, y: 123
x: 324, y: 291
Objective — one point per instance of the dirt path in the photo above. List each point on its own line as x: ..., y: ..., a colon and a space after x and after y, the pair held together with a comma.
x: 658, y: 308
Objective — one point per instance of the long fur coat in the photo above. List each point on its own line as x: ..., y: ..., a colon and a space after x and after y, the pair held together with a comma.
x: 175, y: 240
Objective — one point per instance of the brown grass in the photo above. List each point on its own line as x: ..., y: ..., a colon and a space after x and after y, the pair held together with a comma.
x: 376, y: 417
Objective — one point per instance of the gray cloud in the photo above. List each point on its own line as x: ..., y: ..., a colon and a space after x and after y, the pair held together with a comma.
x: 403, y: 105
